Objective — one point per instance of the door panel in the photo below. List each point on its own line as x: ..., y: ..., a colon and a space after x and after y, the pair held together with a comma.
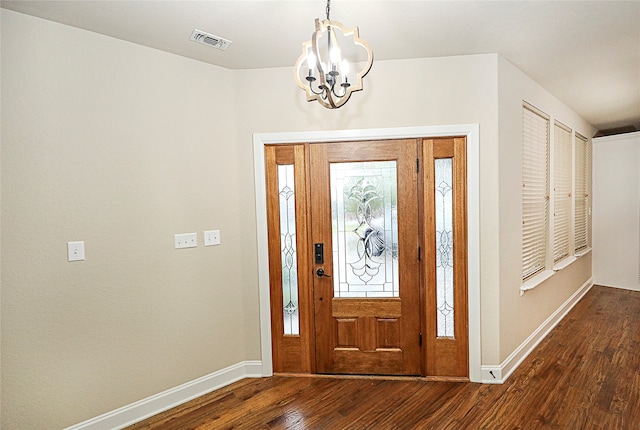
x: 289, y: 258
x: 364, y: 211
x: 445, y: 243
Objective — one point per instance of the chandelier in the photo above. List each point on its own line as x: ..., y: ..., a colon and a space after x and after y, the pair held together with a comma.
x: 323, y: 68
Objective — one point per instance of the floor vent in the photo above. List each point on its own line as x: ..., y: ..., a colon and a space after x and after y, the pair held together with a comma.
x: 210, y: 40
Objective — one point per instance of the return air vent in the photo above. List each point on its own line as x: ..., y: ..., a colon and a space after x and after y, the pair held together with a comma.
x: 210, y: 39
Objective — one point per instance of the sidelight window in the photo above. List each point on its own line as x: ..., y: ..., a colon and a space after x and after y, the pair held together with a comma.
x: 289, y: 258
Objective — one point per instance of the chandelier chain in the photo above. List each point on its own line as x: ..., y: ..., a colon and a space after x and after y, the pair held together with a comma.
x: 328, y: 9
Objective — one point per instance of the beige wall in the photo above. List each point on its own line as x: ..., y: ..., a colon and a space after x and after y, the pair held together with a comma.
x: 122, y: 146
x: 521, y: 315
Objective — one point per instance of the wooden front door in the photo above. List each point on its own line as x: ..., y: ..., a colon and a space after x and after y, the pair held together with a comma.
x: 367, y: 254
x: 364, y: 201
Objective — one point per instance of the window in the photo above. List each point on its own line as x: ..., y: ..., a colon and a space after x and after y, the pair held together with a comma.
x: 555, y: 180
x: 535, y: 191
x: 561, y: 191
x: 581, y: 240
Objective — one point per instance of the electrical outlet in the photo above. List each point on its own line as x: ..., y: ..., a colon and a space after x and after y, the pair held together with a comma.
x: 186, y: 240
x: 75, y: 251
x: 211, y: 237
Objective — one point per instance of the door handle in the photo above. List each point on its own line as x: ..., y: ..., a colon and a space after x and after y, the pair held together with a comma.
x: 320, y: 273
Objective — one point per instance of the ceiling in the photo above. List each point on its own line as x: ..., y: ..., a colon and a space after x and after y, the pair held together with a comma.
x: 586, y: 53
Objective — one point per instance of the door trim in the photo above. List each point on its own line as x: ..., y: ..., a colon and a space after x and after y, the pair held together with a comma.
x: 470, y: 131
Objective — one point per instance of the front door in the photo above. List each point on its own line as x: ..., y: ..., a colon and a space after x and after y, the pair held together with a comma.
x: 364, y: 211
x: 367, y: 257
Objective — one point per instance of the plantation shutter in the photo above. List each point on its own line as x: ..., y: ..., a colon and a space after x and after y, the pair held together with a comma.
x: 561, y: 191
x: 581, y: 193
x: 535, y: 190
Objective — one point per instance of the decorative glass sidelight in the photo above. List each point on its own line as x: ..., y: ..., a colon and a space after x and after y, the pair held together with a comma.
x: 286, y: 190
x: 364, y: 212
x: 444, y: 246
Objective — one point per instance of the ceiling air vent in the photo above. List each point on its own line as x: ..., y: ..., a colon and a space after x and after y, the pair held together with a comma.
x: 210, y: 39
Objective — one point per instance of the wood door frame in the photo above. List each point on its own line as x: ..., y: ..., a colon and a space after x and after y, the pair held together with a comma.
x: 470, y: 131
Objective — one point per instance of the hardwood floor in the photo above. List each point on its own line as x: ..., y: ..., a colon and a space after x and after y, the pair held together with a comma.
x: 584, y: 375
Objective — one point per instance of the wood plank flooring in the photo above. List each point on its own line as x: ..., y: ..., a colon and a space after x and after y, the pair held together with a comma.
x: 584, y: 375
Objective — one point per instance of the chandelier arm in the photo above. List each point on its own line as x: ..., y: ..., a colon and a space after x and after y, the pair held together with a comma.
x: 338, y: 95
x: 315, y: 92
x: 320, y: 89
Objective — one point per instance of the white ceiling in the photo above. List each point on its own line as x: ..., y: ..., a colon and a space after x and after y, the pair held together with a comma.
x: 586, y: 53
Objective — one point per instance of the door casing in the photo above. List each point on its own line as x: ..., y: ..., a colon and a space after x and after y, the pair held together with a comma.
x: 470, y: 131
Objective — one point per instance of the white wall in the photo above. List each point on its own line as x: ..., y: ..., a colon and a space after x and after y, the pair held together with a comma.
x: 616, y: 211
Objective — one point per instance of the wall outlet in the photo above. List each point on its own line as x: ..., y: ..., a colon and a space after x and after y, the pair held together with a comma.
x: 186, y: 240
x: 211, y: 237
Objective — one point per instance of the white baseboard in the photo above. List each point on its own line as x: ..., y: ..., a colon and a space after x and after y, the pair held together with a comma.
x: 145, y: 408
x: 492, y: 374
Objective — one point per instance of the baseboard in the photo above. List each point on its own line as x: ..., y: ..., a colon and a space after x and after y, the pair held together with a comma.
x: 492, y: 375
x: 161, y: 402
x: 499, y: 374
x: 145, y: 408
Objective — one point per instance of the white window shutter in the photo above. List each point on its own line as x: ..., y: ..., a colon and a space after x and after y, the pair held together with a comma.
x: 581, y: 240
x: 535, y: 190
x: 561, y: 191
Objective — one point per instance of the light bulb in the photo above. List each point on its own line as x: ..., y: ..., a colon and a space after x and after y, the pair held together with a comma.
x: 311, y: 60
x: 344, y: 67
x: 334, y: 55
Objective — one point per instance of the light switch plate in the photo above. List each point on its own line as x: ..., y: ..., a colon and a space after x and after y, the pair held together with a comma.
x: 186, y: 240
x: 211, y: 237
x: 75, y: 251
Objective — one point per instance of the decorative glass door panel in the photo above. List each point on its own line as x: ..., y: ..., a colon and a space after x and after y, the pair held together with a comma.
x: 445, y: 244
x: 364, y: 214
x: 366, y: 284
x: 286, y: 191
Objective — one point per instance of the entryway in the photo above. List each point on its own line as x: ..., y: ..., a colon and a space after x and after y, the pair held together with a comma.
x: 368, y: 257
x: 325, y: 322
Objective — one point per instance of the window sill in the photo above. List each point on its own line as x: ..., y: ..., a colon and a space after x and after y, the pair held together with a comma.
x: 583, y: 252
x: 564, y: 263
x: 531, y: 283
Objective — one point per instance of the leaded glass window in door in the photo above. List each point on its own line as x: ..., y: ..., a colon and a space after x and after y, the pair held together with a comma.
x: 289, y: 257
x: 444, y: 246
x: 364, y: 211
